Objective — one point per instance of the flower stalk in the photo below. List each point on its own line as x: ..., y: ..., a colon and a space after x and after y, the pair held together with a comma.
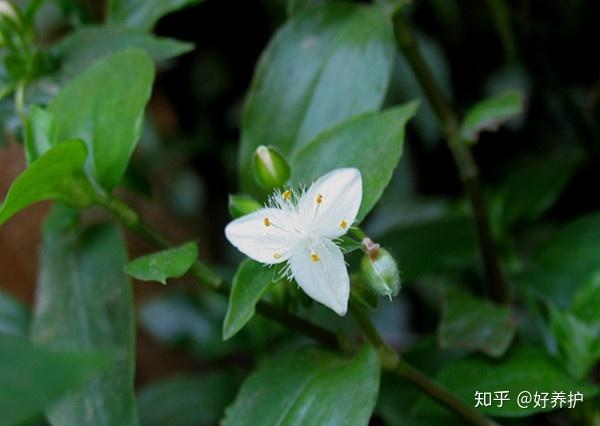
x: 390, y: 360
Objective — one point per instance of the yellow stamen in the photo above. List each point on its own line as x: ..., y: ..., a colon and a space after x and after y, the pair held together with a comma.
x: 267, y: 222
x: 314, y: 257
x: 319, y: 198
x: 277, y: 255
x: 286, y: 195
x: 343, y: 224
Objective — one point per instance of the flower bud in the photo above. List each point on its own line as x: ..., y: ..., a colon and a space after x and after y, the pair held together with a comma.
x: 241, y: 205
x: 271, y: 170
x: 380, y: 272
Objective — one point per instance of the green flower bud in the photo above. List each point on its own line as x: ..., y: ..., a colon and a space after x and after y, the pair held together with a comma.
x: 380, y: 272
x: 241, y: 205
x: 271, y: 170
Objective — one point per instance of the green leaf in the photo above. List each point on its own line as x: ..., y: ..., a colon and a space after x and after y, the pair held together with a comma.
x: 524, y: 369
x: 85, y: 303
x: 566, y: 262
x: 372, y: 143
x: 187, y: 399
x: 447, y: 243
x: 143, y: 14
x: 171, y: 263
x: 475, y: 324
x: 32, y: 377
x: 396, y: 399
x: 309, y: 386
x: 531, y: 188
x: 326, y: 64
x: 15, y: 317
x: 56, y: 175
x: 586, y: 302
x: 104, y: 107
x: 490, y: 114
x: 578, y: 344
x: 41, y: 133
x: 84, y: 46
x: 250, y: 282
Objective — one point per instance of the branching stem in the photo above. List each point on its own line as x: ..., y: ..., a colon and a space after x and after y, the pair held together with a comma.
x: 390, y: 360
x: 465, y: 163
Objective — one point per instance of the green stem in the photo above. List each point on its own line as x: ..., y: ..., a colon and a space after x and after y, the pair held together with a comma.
x: 441, y: 394
x: 465, y: 163
x: 204, y: 274
x: 20, y: 101
x: 391, y: 361
x: 501, y: 19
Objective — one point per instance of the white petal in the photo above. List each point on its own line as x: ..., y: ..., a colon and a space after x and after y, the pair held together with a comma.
x: 331, y: 204
x: 267, y: 235
x: 319, y: 269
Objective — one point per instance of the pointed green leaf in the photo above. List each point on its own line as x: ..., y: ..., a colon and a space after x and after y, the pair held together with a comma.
x: 309, y: 386
x: 86, y: 45
x: 566, y: 262
x: 85, y: 303
x: 41, y: 133
x: 578, y: 344
x: 475, y: 324
x: 104, y: 107
x: 250, y: 282
x: 490, y: 114
x: 56, y: 175
x: 525, y: 368
x: 171, y: 263
x: 187, y: 399
x: 15, y: 317
x: 326, y: 64
x: 143, y: 14
x: 371, y: 142
x: 32, y: 377
x: 532, y: 187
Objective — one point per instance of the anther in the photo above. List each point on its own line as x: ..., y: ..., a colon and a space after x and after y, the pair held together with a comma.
x: 277, y: 255
x: 343, y: 224
x: 319, y: 198
x: 267, y: 222
x: 314, y: 257
x: 286, y: 195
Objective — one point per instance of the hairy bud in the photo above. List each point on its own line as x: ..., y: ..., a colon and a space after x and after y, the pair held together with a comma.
x: 379, y: 270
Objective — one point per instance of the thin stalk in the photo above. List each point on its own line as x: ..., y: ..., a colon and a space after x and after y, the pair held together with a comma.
x: 391, y: 361
x: 205, y: 275
x: 465, y: 163
x: 20, y: 101
x: 500, y: 14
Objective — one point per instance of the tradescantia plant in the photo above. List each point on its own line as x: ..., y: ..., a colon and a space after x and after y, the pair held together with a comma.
x: 477, y: 308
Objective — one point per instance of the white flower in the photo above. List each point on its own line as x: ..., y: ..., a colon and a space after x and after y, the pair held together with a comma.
x: 301, y: 231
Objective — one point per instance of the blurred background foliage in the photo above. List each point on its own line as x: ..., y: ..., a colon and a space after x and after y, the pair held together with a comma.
x: 539, y: 170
